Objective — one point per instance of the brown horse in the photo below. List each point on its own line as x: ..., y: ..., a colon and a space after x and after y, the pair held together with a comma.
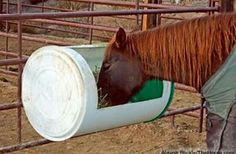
x: 188, y: 52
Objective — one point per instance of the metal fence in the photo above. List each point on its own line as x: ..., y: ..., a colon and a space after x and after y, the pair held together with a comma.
x: 47, y: 15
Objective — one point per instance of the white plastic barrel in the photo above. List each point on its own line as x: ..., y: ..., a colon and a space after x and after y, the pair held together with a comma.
x: 60, y: 98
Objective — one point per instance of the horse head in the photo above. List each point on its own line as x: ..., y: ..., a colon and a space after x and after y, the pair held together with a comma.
x: 121, y: 75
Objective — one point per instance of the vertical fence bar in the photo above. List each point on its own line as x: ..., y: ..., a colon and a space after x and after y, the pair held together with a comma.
x: 91, y: 8
x: 173, y: 121
x: 146, y: 17
x: 1, y: 5
x: 141, y: 24
x: 226, y: 5
x: 7, y: 29
x: 43, y: 3
x: 159, y: 15
x: 1, y: 11
x: 42, y: 10
x: 19, y: 41
x: 137, y: 16
x: 201, y: 115
x: 88, y: 21
x: 209, y: 5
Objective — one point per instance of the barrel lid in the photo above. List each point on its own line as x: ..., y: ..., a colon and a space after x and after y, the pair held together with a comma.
x: 56, y: 84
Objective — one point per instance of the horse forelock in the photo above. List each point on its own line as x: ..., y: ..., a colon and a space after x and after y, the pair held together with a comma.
x: 188, y: 52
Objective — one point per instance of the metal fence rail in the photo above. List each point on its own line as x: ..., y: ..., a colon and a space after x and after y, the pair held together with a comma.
x: 25, y: 16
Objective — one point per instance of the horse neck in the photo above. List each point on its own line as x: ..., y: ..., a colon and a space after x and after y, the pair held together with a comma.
x: 185, y: 53
x: 145, y: 47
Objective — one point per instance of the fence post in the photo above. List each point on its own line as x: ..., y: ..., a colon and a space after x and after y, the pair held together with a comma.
x: 151, y: 20
x: 20, y: 69
x: 148, y: 20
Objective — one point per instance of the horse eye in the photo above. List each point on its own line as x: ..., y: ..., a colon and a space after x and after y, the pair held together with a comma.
x: 106, y: 66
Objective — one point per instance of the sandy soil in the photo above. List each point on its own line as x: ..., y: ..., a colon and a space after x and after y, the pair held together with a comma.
x: 150, y: 137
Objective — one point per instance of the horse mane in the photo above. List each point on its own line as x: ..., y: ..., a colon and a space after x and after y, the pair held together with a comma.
x: 188, y: 52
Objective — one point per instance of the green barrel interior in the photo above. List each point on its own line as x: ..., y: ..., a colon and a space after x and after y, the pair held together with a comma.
x: 153, y: 89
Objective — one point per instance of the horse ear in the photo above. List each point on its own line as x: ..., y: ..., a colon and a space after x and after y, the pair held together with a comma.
x: 120, y: 38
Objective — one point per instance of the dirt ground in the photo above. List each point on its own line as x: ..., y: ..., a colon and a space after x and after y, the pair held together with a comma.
x: 152, y: 137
